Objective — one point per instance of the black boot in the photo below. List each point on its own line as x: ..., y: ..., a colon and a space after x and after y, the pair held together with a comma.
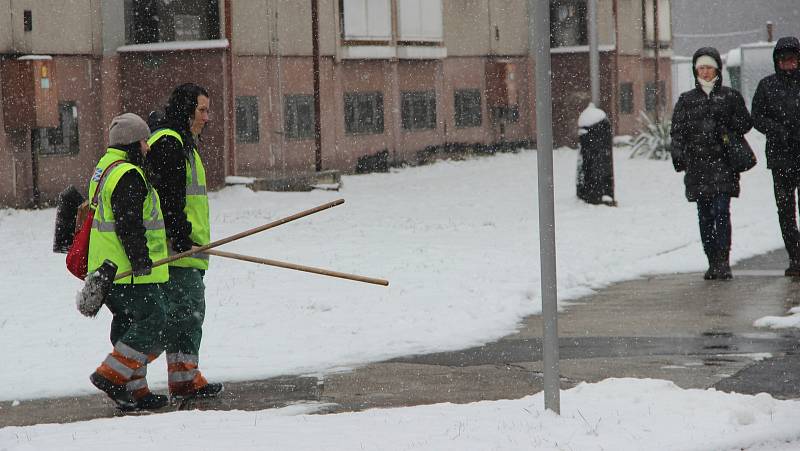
x: 151, y: 401
x: 209, y: 390
x: 711, y: 272
x: 793, y: 270
x: 723, y: 265
x: 117, y: 392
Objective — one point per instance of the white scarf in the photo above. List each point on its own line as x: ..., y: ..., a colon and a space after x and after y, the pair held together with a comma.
x: 707, y: 86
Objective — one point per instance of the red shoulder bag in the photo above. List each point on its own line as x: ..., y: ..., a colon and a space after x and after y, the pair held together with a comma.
x: 78, y: 254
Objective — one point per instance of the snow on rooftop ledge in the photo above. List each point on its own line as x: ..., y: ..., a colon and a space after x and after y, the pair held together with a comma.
x: 175, y: 46
x: 34, y: 57
x: 239, y: 180
x: 590, y: 116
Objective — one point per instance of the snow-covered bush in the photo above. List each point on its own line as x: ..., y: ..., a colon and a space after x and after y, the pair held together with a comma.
x: 653, y: 140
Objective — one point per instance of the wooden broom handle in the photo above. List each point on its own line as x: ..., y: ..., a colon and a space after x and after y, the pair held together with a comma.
x: 311, y: 269
x: 213, y: 244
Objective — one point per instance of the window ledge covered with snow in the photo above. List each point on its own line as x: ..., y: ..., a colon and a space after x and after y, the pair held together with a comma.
x: 174, y: 46
x: 581, y: 49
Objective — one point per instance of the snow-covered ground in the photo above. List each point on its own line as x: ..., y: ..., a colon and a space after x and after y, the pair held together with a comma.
x: 459, y: 243
x: 615, y: 414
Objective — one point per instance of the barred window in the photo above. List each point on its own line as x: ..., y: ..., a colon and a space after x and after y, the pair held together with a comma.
x: 650, y: 95
x: 171, y: 20
x: 298, y: 116
x: 62, y: 139
x: 626, y: 98
x: 247, y: 119
x: 568, y: 23
x: 418, y: 110
x: 468, y: 108
x: 363, y: 112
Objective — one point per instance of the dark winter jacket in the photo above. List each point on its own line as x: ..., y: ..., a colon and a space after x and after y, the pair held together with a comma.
x: 126, y: 203
x: 776, y: 110
x: 699, y: 122
x: 166, y: 169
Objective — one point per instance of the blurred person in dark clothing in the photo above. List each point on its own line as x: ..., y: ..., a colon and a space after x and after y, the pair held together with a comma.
x: 776, y: 114
x: 701, y: 120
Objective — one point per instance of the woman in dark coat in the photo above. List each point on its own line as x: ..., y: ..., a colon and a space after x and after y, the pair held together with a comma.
x: 701, y: 120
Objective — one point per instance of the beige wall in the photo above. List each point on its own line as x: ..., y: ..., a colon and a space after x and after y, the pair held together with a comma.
x: 508, y: 27
x: 267, y: 27
x: 605, y: 22
x: 253, y: 27
x: 466, y: 27
x: 630, y: 31
x: 59, y: 27
x: 5, y: 27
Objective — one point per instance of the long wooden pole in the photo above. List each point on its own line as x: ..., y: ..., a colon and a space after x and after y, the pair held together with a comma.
x: 311, y: 269
x: 199, y: 249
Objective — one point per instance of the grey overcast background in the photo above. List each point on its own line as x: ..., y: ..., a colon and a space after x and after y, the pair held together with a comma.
x: 727, y: 24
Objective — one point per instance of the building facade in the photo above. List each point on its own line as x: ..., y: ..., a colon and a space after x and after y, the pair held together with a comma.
x: 397, y: 77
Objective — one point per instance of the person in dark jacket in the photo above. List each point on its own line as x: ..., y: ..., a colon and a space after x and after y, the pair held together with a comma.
x: 128, y: 229
x: 176, y: 169
x: 701, y: 120
x: 776, y: 114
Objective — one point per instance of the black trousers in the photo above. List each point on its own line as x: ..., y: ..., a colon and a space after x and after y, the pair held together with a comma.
x: 785, y: 183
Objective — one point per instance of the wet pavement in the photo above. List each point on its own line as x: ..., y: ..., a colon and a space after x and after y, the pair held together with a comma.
x: 696, y: 333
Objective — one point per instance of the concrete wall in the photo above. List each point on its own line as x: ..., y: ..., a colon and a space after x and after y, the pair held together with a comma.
x: 466, y: 27
x: 508, y: 27
x: 572, y: 92
x: 5, y: 27
x: 639, y: 71
x: 56, y: 172
x: 164, y: 71
x: 59, y: 27
x: 269, y: 27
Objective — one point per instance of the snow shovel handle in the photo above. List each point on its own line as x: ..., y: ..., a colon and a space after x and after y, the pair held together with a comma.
x: 311, y: 269
x: 213, y: 244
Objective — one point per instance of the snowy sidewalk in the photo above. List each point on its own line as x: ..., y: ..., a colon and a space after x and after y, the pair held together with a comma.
x: 676, y: 327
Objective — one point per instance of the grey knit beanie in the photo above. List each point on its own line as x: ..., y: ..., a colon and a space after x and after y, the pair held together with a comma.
x: 127, y: 128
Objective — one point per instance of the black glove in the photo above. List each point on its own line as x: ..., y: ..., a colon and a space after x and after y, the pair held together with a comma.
x: 181, y: 244
x: 142, y: 267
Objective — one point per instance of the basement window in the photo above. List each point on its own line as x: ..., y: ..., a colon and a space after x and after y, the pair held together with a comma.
x: 62, y: 140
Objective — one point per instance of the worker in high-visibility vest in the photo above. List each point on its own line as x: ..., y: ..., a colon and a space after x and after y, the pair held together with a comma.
x: 128, y: 229
x: 177, y: 172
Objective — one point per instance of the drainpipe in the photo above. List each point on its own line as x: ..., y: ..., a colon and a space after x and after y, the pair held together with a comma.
x: 317, y: 108
x: 657, y: 77
x: 230, y: 116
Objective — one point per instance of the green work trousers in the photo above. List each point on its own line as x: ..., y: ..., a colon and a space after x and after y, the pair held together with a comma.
x: 185, y: 309
x: 139, y: 316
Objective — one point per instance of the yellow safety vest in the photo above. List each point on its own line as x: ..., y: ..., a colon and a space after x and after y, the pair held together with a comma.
x: 103, y: 240
x: 196, y: 208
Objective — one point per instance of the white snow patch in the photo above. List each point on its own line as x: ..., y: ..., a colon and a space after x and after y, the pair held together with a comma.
x: 590, y: 116
x: 172, y: 46
x: 614, y: 414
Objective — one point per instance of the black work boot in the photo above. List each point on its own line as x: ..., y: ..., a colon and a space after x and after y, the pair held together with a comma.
x: 711, y: 272
x: 724, y: 265
x: 151, y: 401
x: 209, y: 390
x: 793, y: 270
x: 117, y: 392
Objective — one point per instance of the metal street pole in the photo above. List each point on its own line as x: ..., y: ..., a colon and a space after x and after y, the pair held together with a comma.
x: 594, y: 53
x: 539, y: 38
x: 315, y: 69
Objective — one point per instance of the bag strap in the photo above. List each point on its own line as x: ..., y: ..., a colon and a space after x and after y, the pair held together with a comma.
x: 100, y: 181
